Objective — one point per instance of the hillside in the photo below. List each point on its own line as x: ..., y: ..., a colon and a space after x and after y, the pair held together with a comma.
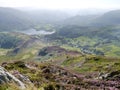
x: 109, y: 18
x: 12, y: 19
x: 97, y: 35
x: 46, y: 76
x: 16, y: 20
x: 79, y: 20
x: 83, y: 53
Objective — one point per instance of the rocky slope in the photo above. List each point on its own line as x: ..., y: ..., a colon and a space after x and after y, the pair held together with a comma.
x: 6, y: 77
x: 45, y: 76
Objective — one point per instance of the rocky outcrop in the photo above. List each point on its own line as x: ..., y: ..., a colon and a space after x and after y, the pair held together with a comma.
x: 6, y: 77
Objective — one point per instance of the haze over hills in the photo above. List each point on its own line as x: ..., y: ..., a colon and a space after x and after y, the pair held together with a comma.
x: 12, y: 19
x: 48, y: 16
x: 15, y: 19
x: 109, y: 18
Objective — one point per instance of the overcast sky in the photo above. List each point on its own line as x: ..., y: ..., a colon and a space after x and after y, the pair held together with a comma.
x: 62, y: 4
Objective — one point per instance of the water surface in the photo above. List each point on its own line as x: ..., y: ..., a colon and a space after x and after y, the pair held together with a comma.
x: 35, y: 32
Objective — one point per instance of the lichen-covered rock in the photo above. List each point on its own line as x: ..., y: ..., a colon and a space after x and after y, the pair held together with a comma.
x: 6, y: 77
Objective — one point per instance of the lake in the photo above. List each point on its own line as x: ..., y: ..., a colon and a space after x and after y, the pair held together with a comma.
x: 35, y: 32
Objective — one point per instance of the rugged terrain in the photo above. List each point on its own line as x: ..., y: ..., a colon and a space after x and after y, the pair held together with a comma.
x: 82, y: 54
x: 45, y: 76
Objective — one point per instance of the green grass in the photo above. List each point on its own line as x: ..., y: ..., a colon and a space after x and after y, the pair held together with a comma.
x: 73, y: 61
x: 3, y: 51
x: 92, y: 64
x: 70, y: 48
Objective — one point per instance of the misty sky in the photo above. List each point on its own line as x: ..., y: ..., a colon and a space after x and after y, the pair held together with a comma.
x: 62, y: 4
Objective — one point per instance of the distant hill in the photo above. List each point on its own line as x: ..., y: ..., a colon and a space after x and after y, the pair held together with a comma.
x: 12, y: 19
x: 15, y: 19
x: 79, y: 20
x: 104, y: 26
x: 109, y: 18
